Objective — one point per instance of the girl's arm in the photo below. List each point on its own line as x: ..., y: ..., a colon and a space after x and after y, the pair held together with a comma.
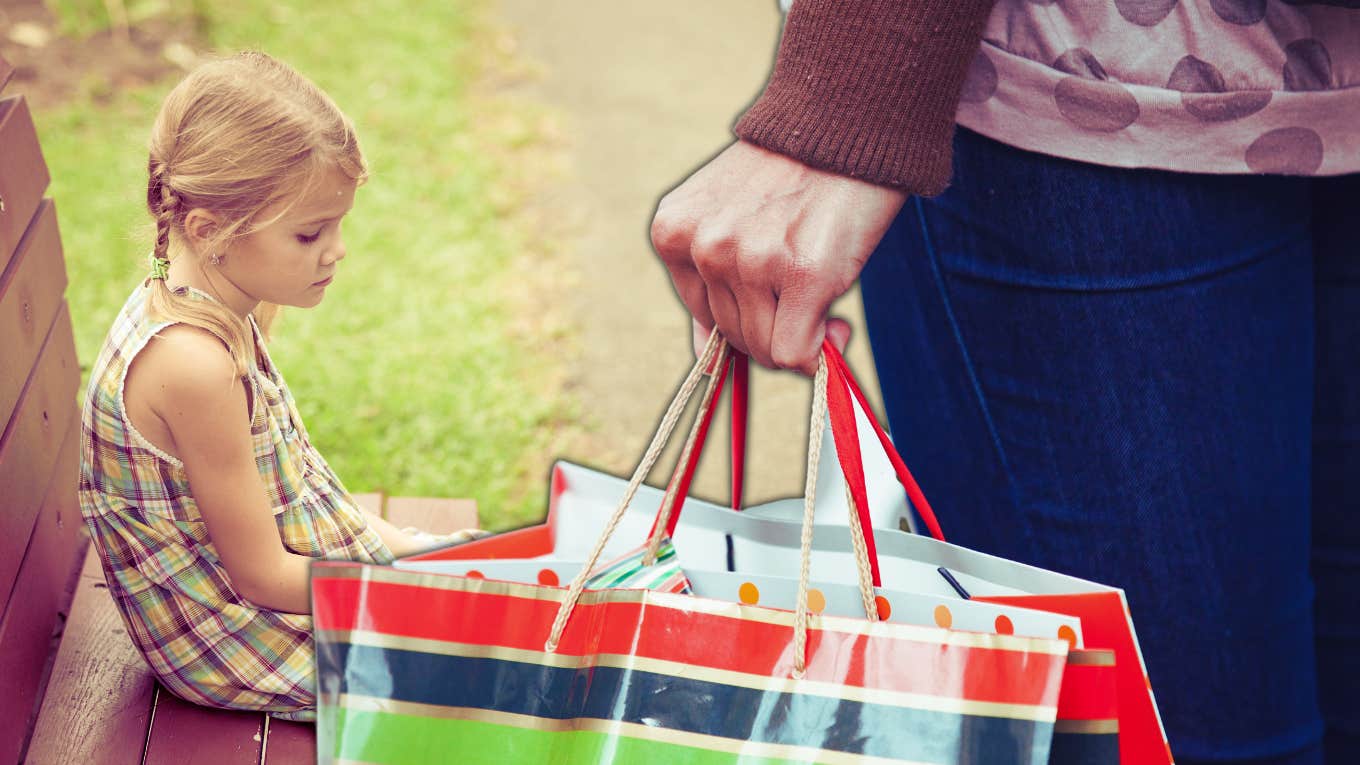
x: 399, y: 542
x: 402, y: 543
x: 190, y: 383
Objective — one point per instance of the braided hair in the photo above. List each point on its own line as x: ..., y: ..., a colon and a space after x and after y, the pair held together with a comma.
x: 163, y: 203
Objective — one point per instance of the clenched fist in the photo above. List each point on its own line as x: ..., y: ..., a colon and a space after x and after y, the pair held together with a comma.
x: 760, y: 245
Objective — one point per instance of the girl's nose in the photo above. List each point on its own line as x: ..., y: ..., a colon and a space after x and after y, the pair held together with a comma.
x: 336, y: 253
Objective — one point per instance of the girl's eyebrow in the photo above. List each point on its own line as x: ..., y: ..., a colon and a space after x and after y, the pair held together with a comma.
x: 326, y: 219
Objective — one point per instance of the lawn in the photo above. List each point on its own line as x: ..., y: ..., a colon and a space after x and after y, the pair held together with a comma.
x: 425, y: 371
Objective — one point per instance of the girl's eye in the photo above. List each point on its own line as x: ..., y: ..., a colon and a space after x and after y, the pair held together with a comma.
x: 309, y: 238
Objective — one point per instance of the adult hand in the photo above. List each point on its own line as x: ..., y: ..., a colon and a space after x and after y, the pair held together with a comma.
x: 760, y: 245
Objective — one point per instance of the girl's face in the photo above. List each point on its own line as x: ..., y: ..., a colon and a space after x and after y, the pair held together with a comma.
x: 293, y: 259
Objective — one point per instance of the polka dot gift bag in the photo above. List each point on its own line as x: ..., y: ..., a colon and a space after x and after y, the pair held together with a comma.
x: 561, y: 660
x: 1107, y: 712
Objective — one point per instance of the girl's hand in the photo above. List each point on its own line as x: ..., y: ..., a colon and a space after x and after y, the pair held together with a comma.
x: 427, y: 541
x: 410, y: 540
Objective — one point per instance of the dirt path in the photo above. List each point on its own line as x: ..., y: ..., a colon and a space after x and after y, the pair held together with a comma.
x: 645, y: 92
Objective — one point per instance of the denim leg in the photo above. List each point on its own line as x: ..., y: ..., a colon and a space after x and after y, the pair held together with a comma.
x: 1109, y: 373
x: 1336, y: 463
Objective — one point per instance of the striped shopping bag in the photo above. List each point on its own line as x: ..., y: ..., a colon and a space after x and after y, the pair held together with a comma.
x: 417, y: 667
x: 424, y: 668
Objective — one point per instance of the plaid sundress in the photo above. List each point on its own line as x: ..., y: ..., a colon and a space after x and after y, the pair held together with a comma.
x: 205, y: 642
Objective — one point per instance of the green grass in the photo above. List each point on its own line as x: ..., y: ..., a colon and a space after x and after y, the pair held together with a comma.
x: 415, y: 375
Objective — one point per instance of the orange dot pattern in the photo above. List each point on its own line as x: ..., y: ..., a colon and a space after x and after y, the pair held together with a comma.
x: 884, y: 608
x: 816, y: 601
x: 475, y: 574
x: 1004, y: 625
x: 943, y: 618
x: 749, y: 593
x: 1070, y: 635
x: 548, y: 577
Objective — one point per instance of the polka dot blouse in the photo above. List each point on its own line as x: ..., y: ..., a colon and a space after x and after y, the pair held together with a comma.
x: 1212, y: 86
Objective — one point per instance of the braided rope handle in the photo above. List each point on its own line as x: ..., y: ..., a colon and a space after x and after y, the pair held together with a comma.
x: 816, y: 427
x: 716, y: 346
x: 713, y: 357
x: 668, y: 501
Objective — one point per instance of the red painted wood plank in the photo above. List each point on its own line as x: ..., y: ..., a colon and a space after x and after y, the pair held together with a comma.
x: 23, y: 173
x: 41, y: 596
x: 98, y: 703
x: 29, y: 446
x: 30, y: 292
x: 433, y: 514
x: 289, y: 743
x: 188, y: 734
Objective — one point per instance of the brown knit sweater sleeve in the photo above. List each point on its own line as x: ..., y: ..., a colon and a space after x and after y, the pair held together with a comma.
x: 869, y: 88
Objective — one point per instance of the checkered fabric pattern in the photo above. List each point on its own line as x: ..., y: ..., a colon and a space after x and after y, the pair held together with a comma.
x: 205, y: 642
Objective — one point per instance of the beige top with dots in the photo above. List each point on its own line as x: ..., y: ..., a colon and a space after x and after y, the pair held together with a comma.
x: 1209, y: 86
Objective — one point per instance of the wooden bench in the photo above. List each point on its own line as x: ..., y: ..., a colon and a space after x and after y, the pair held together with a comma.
x: 73, y: 688
x: 103, y: 707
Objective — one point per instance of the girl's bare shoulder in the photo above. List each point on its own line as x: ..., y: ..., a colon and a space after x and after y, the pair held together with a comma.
x: 183, y: 368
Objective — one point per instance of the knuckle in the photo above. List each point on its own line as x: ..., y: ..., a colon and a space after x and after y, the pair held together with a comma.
x: 670, y: 234
x: 803, y: 271
x: 785, y: 357
x: 712, y: 250
x: 761, y: 263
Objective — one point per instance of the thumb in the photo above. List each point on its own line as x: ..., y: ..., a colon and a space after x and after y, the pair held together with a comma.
x: 838, y: 332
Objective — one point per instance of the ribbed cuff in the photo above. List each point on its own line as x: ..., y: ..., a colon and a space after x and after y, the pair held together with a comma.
x: 869, y: 88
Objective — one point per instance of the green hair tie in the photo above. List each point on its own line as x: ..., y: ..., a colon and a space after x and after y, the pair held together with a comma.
x: 160, y: 267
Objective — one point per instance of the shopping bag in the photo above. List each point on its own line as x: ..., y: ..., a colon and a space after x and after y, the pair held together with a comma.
x: 416, y: 666
x: 765, y: 539
x: 1086, y: 728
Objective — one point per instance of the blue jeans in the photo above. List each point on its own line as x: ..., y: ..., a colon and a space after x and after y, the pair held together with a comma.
x: 1151, y: 380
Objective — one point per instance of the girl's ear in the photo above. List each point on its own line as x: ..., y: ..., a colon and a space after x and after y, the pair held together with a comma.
x: 200, y: 226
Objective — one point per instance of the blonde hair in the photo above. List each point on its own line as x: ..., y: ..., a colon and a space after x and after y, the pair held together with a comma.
x: 236, y: 136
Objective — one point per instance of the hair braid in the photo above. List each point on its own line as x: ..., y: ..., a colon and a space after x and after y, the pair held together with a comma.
x: 163, y: 203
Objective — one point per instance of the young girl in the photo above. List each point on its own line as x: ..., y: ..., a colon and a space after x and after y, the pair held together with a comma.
x: 203, y: 493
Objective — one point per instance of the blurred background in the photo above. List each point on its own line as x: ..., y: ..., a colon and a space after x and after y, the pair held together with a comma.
x: 500, y: 307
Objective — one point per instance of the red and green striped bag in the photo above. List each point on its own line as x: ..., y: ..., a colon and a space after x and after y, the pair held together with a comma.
x: 417, y: 667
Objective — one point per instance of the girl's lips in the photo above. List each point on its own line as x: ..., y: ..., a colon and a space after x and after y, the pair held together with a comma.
x: 324, y: 282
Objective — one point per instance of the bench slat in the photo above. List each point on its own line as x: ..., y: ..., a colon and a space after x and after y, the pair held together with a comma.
x: 30, y: 292
x: 42, y: 594
x: 29, y: 446
x: 372, y: 502
x: 289, y: 743
x: 188, y: 734
x: 436, y: 515
x: 23, y: 173
x: 98, y: 703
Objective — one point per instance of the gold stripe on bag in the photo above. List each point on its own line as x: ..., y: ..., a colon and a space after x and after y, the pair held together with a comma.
x: 838, y: 624
x: 733, y: 678
x: 1090, y: 727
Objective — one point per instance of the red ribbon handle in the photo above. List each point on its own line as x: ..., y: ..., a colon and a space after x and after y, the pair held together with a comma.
x: 904, y: 476
x: 739, y: 369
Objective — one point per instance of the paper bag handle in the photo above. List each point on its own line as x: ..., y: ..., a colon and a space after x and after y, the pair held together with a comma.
x: 904, y: 476
x: 739, y: 370
x: 678, y: 485
x: 715, y: 357
x: 831, y: 390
